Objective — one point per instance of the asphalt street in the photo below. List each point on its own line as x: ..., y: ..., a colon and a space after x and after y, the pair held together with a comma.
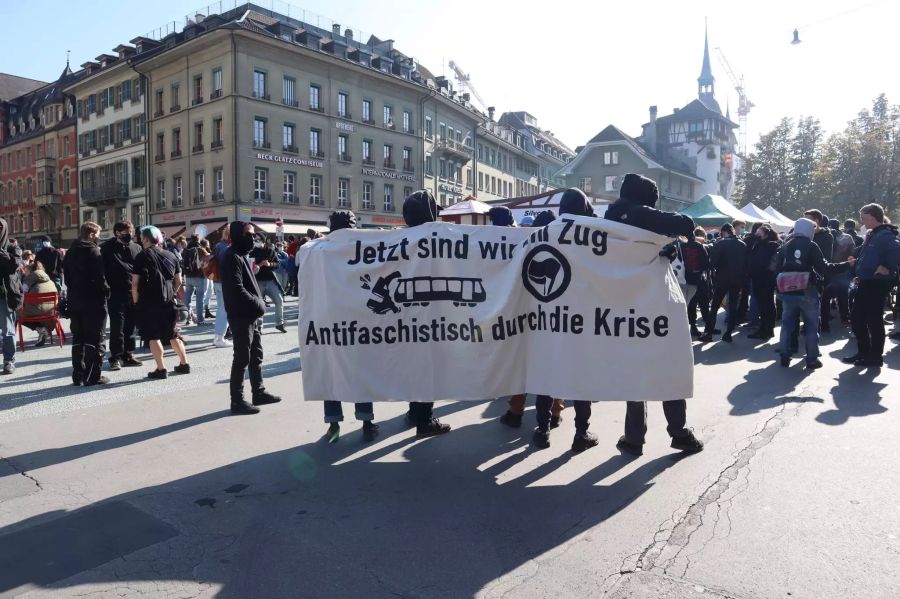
x: 151, y: 489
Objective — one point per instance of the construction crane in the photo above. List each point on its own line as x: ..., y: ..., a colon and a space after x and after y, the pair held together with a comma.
x: 744, y: 103
x: 465, y: 82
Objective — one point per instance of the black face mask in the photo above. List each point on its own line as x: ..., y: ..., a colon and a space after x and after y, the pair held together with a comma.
x: 126, y: 238
x: 243, y: 244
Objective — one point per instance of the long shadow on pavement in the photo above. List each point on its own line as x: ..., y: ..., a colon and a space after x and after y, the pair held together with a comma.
x: 399, y: 518
x: 856, y: 395
x: 766, y: 388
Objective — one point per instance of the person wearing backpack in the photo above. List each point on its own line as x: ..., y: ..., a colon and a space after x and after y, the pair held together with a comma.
x: 800, y: 265
x: 696, y: 264
x: 119, y: 254
x: 762, y: 277
x: 729, y: 261
x: 192, y: 259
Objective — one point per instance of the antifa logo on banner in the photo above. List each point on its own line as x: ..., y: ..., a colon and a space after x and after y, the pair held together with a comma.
x: 421, y: 291
x: 546, y: 273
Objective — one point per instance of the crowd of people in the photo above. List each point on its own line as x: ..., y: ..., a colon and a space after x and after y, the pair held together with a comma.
x: 150, y: 287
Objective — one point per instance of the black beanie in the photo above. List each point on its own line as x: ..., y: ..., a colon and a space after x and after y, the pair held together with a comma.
x: 420, y: 208
x: 341, y: 219
x: 639, y: 190
x: 574, y: 202
x: 544, y: 218
x: 501, y: 216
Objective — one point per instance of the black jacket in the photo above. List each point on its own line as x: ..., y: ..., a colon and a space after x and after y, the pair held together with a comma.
x: 118, y: 264
x: 729, y: 260
x: 10, y: 275
x: 650, y: 219
x: 51, y: 260
x: 825, y: 240
x: 762, y: 258
x: 813, y: 260
x: 85, y: 276
x: 265, y: 273
x: 243, y: 301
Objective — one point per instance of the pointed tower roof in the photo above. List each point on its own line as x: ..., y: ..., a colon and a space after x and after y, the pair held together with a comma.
x: 706, y: 76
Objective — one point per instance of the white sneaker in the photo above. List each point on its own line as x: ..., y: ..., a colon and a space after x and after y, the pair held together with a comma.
x: 222, y: 342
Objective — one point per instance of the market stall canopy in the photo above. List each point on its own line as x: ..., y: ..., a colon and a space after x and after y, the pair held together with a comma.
x: 776, y: 223
x: 715, y: 211
x: 549, y: 200
x: 779, y: 216
x: 291, y: 228
x: 471, y: 206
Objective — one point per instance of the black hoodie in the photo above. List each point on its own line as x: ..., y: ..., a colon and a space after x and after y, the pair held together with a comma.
x: 635, y: 207
x: 420, y: 208
x: 85, y: 276
x: 240, y: 292
x: 118, y: 261
x: 10, y: 283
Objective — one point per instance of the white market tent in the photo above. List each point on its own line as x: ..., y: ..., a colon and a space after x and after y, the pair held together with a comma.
x: 756, y: 212
x: 781, y: 218
x: 467, y: 212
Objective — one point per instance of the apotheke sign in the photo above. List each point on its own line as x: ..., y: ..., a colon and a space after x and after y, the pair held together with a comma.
x: 290, y: 160
x: 374, y: 172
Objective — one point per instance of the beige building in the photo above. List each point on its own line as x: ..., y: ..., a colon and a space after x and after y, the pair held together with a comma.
x: 112, y: 166
x: 505, y: 168
x: 259, y: 118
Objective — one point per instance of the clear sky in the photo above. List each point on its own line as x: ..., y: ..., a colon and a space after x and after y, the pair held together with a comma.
x: 577, y: 65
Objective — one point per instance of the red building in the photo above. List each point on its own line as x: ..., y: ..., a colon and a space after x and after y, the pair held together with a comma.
x: 38, y: 161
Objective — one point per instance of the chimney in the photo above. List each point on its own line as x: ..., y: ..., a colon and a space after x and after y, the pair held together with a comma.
x: 653, y: 111
x: 650, y: 132
x: 491, y: 110
x: 348, y: 33
x: 335, y: 30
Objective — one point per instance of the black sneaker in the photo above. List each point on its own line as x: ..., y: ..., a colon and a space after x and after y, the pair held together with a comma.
x: 695, y: 333
x: 183, y: 369
x: 101, y: 381
x: 687, y: 443
x: 431, y: 428
x: 870, y: 361
x: 208, y: 314
x: 410, y: 419
x: 786, y: 362
x: 626, y: 446
x: 814, y: 365
x: 852, y: 359
x: 77, y: 382
x: 584, y: 441
x: 281, y: 328
x: 228, y: 334
x: 541, y: 438
x: 370, y: 431
x: 512, y: 420
x: 264, y: 398
x: 726, y: 337
x: 131, y: 362
x: 158, y: 374
x: 705, y: 338
x: 555, y: 421
x: 333, y: 434
x: 9, y: 368
x: 242, y: 407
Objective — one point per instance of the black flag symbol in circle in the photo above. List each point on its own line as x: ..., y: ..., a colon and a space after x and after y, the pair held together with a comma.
x: 546, y: 273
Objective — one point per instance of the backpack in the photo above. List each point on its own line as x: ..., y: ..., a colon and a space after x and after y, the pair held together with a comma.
x: 796, y: 275
x: 157, y: 288
x: 190, y: 263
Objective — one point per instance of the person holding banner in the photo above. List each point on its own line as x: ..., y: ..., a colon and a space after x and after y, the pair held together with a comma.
x: 334, y: 413
x: 420, y: 208
x: 636, y: 206
x: 245, y: 308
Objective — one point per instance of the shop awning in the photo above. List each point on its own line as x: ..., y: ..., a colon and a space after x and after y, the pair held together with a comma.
x: 291, y: 228
x: 210, y: 227
x: 171, y: 230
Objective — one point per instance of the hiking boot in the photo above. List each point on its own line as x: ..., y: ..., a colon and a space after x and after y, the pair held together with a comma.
x: 814, y: 365
x: 541, y: 438
x: 370, y: 431
x: 130, y: 361
x: 264, y: 398
x: 555, y: 420
x: 158, y: 374
x: 626, y: 446
x: 512, y: 420
x: 584, y: 441
x: 115, y: 365
x: 333, y: 434
x: 431, y: 428
x: 687, y: 443
x: 852, y: 359
x: 281, y: 328
x: 222, y: 342
x: 242, y: 407
x: 9, y: 368
x: 726, y: 337
x: 101, y: 381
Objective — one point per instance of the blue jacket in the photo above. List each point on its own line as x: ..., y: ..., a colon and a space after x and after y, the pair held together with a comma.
x: 881, y: 248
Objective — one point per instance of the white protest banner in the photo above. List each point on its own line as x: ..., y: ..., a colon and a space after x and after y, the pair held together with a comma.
x: 583, y: 309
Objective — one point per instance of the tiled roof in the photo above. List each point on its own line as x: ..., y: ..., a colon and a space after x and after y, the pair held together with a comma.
x: 13, y: 86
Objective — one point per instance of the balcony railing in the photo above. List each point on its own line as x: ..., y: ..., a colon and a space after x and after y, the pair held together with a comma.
x: 451, y: 146
x: 290, y: 149
x: 289, y: 198
x: 316, y: 201
x: 216, y: 145
x: 262, y: 96
x: 175, y: 108
x: 198, y: 100
x: 316, y: 154
x: 344, y: 158
x: 408, y: 167
x: 160, y: 157
x: 161, y: 205
x: 343, y: 202
x: 158, y: 114
x: 291, y: 103
x: 368, y: 205
x: 316, y: 108
x: 262, y: 144
x: 199, y: 200
x: 389, y: 165
x: 175, y: 154
x: 197, y: 148
x: 368, y: 121
x: 388, y: 206
x: 345, y: 115
x: 259, y: 196
x: 177, y: 202
x: 368, y: 162
x: 217, y: 93
x: 390, y: 125
x: 218, y: 197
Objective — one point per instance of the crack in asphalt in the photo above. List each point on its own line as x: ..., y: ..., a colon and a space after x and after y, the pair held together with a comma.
x: 22, y: 472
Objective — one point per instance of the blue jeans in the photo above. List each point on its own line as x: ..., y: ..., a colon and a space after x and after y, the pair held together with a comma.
x: 195, y: 286
x: 8, y: 332
x: 793, y: 306
x: 335, y: 413
x: 221, y: 316
x: 270, y: 290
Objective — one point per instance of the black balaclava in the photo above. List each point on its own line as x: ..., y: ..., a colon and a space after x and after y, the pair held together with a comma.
x: 240, y: 241
x: 501, y: 216
x: 341, y: 219
x: 639, y: 190
x: 574, y: 202
x: 420, y: 208
x: 544, y: 218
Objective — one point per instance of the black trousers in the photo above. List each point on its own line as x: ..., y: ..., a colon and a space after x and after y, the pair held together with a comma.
x: 421, y: 411
x: 867, y: 318
x: 248, y: 354
x: 121, y: 327
x: 764, y: 291
x: 636, y: 419
x: 700, y: 300
x: 87, y: 326
x: 838, y: 287
x: 543, y: 406
x: 733, y: 292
